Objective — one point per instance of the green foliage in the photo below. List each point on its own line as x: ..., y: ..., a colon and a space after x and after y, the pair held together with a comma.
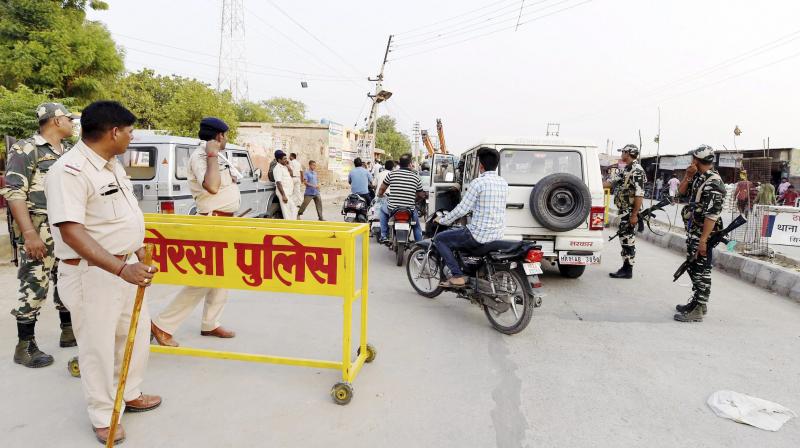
x: 194, y: 100
x: 254, y: 112
x: 286, y: 110
x: 389, y: 139
x: 18, y: 110
x: 49, y: 46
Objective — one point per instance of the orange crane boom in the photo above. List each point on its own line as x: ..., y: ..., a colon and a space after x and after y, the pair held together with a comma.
x: 426, y: 140
x: 440, y: 131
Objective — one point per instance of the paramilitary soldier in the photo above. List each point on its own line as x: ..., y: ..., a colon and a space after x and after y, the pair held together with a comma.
x: 628, y: 199
x: 28, y: 163
x: 703, y: 187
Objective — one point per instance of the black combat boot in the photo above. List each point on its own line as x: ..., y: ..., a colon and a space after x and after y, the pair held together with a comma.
x: 626, y: 271
x: 688, y: 307
x: 27, y: 352
x: 67, y: 335
x: 694, y: 313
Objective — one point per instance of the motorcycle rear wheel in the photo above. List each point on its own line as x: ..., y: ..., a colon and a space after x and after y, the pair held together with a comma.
x: 424, y: 281
x: 400, y: 253
x: 516, y: 318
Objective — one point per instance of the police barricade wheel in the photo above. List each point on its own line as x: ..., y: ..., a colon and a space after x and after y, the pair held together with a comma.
x: 73, y: 367
x: 342, y: 393
x: 371, y: 353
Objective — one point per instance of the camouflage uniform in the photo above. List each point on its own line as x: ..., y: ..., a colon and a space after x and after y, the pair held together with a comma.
x: 706, y: 195
x: 630, y: 185
x: 28, y: 163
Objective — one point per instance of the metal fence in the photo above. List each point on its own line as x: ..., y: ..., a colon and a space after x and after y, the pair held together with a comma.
x: 749, y: 237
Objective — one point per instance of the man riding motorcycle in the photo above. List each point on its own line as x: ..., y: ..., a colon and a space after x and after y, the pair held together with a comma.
x: 486, y: 199
x: 406, y: 187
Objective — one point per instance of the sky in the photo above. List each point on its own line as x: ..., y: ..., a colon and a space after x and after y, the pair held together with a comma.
x: 599, y: 68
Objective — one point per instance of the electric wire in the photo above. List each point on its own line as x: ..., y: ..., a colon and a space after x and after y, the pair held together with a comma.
x: 567, y: 8
x: 412, y: 31
x: 269, y: 67
x: 510, y: 16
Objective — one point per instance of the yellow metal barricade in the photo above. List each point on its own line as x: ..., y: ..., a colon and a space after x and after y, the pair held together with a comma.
x: 606, y: 202
x: 301, y: 257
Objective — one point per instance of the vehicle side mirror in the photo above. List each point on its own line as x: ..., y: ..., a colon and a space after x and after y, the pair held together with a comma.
x: 257, y: 174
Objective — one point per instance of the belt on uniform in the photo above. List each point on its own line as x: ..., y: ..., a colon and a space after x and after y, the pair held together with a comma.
x: 217, y: 213
x: 77, y: 261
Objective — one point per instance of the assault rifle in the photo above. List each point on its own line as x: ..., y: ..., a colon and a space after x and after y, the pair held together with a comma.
x: 644, y: 217
x: 713, y: 241
x: 11, y: 235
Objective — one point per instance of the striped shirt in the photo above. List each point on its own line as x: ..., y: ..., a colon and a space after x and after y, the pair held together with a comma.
x: 405, y: 184
x: 486, y: 199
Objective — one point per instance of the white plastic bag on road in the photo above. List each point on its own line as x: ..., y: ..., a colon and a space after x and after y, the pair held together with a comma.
x: 753, y: 411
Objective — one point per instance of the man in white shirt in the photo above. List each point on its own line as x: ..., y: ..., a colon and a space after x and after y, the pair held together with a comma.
x: 297, y: 178
x: 284, y: 186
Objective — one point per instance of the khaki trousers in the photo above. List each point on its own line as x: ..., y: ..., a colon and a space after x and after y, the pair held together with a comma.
x: 101, y: 305
x: 297, y: 193
x: 186, y: 301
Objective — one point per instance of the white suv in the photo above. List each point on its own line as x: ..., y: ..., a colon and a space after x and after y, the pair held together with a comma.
x: 555, y: 195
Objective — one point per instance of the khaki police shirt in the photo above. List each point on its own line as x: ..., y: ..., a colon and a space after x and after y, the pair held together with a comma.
x: 228, y: 198
x: 85, y: 188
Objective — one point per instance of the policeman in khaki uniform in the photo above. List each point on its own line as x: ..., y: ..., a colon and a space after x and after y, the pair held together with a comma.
x: 97, y: 227
x: 216, y: 193
x: 704, y: 188
x: 28, y: 163
x: 628, y: 199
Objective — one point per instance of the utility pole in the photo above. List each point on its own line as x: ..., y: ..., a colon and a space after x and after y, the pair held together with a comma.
x: 231, y: 69
x: 379, y: 97
x: 415, y: 136
x: 658, y: 153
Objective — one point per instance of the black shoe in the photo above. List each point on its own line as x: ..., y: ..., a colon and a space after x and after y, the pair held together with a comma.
x: 688, y: 307
x: 385, y: 241
x: 67, y: 336
x: 694, y: 314
x: 28, y: 354
x: 626, y: 271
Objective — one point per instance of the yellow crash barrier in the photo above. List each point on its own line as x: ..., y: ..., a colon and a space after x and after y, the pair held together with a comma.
x: 606, y: 202
x: 299, y: 257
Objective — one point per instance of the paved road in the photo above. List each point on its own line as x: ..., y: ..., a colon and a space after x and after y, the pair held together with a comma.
x: 602, y: 364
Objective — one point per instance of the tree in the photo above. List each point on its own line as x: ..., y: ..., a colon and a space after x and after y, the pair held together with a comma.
x: 146, y: 94
x: 254, y: 112
x: 49, y: 46
x: 388, y: 139
x: 18, y: 110
x: 286, y: 110
x: 194, y: 100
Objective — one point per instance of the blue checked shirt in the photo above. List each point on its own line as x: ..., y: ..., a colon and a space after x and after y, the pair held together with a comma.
x: 486, y: 199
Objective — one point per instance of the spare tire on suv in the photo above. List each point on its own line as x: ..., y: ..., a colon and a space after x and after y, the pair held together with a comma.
x: 560, y: 202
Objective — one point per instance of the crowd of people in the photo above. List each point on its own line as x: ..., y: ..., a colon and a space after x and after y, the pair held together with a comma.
x: 749, y: 193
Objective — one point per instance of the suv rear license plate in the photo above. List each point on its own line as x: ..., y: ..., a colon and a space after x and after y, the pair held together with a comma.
x: 401, y: 226
x: 351, y: 215
x: 532, y: 268
x: 565, y: 258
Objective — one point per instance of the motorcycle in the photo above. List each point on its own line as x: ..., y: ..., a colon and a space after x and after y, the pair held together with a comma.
x: 354, y: 209
x: 501, y: 277
x: 374, y: 219
x: 400, y: 232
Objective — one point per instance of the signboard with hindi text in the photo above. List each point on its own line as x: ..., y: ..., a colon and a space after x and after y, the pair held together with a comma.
x: 781, y: 225
x: 253, y: 254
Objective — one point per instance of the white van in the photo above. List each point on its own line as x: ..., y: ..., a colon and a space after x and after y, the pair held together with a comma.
x: 555, y: 194
x: 157, y: 166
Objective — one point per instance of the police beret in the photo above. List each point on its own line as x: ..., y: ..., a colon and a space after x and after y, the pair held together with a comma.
x: 214, y: 123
